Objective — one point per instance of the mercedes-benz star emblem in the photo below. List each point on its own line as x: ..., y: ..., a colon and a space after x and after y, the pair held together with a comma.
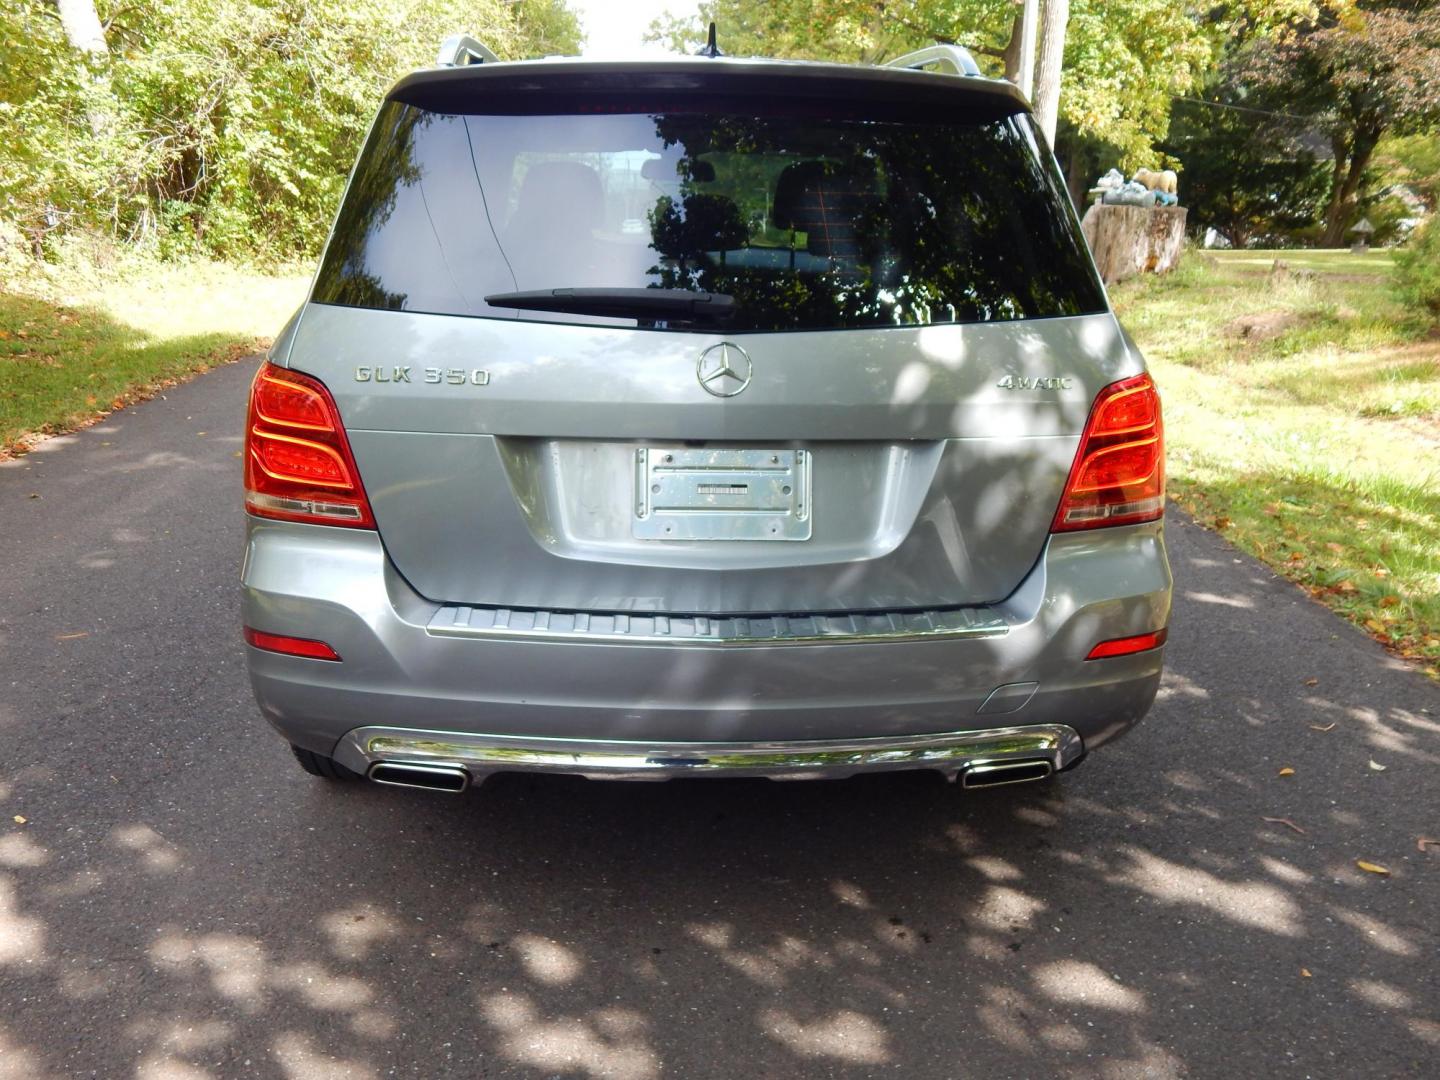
x: 724, y: 370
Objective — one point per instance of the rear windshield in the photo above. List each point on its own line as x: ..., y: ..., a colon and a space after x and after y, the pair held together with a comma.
x: 803, y: 222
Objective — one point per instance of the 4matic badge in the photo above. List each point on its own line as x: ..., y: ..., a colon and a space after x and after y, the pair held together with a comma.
x: 1039, y: 382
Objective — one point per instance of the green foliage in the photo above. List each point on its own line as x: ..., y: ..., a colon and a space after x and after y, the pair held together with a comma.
x: 1412, y: 160
x: 1417, y: 271
x: 223, y: 126
x: 1246, y: 176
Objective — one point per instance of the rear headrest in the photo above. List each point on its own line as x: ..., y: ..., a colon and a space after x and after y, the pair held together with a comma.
x: 568, y: 190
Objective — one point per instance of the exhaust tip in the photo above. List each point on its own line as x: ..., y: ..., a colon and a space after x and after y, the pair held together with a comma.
x: 450, y: 778
x: 997, y: 773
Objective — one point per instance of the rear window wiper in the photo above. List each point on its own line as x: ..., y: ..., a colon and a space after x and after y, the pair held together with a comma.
x: 660, y: 305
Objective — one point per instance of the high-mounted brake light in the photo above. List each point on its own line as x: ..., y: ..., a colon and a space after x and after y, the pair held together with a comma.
x: 298, y: 465
x: 1118, y: 477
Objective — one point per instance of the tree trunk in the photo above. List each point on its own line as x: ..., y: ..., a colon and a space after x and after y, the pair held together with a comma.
x: 1130, y: 240
x: 1052, y: 61
x: 1012, y: 53
x: 1029, y: 27
x: 1075, y: 179
x: 83, y: 31
x: 82, y: 27
x: 1349, y: 171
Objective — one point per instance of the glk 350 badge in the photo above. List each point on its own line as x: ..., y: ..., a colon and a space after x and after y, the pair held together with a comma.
x: 433, y: 375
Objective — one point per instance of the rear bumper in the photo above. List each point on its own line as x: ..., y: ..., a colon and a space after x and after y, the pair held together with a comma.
x: 595, y: 705
x: 964, y: 754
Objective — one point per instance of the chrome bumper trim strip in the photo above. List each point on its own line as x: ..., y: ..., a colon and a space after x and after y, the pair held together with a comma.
x: 650, y: 628
x: 949, y: 753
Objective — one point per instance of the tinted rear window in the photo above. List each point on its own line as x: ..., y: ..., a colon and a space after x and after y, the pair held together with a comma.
x: 808, y: 222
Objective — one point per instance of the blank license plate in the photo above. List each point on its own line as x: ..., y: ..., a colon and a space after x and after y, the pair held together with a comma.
x: 686, y: 494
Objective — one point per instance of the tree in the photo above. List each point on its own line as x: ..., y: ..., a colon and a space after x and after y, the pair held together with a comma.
x: 1355, y: 77
x: 1250, y: 176
x: 229, y: 125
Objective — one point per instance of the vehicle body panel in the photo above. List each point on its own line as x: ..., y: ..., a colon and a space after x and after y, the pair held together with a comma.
x: 1089, y: 586
x: 519, y: 491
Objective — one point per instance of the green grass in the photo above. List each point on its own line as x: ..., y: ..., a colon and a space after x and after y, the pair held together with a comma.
x: 1303, y: 420
x: 77, y: 343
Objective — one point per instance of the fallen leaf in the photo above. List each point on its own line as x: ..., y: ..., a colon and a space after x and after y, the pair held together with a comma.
x: 72, y: 637
x: 1328, y: 727
x: 199, y: 433
x: 1222, y: 523
x: 34, y: 494
x: 1347, y: 586
x: 1337, y: 548
x: 1372, y: 868
x: 1286, y: 771
x: 1297, y: 556
x: 1375, y: 626
x: 19, y: 819
x: 1284, y: 821
x: 1312, y: 682
x: 1305, y: 973
x: 1376, y: 765
x: 1425, y: 842
x: 1389, y: 601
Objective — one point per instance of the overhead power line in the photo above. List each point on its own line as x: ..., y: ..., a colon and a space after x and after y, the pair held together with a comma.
x: 1244, y: 109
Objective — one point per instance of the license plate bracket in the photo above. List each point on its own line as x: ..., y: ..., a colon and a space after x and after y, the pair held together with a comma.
x: 690, y: 493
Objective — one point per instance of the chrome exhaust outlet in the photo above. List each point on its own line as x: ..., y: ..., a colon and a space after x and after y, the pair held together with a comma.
x: 996, y: 773
x: 411, y: 774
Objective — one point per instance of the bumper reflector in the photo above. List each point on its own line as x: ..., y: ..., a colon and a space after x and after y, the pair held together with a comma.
x: 1126, y: 645
x: 290, y: 646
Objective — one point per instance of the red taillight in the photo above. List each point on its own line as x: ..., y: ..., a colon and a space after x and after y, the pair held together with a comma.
x: 298, y: 465
x: 1126, y: 645
x: 290, y: 646
x: 1119, y: 473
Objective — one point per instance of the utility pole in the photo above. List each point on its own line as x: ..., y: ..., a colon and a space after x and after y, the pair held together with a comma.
x: 1052, y: 61
x: 1029, y: 26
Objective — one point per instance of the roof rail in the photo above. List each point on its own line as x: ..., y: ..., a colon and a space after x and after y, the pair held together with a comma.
x: 957, y: 59
x: 462, y: 50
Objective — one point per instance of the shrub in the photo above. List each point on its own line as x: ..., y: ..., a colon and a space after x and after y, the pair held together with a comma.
x: 1417, y: 271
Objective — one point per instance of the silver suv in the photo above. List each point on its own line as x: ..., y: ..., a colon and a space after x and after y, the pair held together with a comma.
x: 703, y: 417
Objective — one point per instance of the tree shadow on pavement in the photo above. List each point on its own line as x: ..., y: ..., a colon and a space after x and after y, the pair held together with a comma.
x: 1139, y: 917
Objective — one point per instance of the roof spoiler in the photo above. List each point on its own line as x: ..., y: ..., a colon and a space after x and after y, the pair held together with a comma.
x: 462, y: 50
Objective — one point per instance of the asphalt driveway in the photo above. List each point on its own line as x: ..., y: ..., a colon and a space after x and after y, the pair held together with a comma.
x: 177, y: 899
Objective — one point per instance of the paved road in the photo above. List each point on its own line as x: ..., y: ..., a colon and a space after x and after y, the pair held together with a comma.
x: 181, y: 901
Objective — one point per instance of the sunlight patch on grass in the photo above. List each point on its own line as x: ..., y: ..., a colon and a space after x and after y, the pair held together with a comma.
x: 1303, y: 421
x: 77, y: 342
